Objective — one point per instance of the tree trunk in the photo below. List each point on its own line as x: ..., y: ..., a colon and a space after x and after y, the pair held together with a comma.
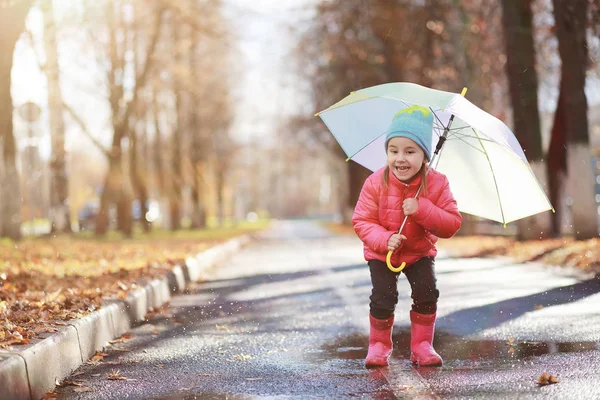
x: 138, y: 175
x: 124, y: 194
x: 158, y: 166
x: 115, y: 191
x: 556, y: 165
x: 59, y: 185
x: 517, y: 20
x: 198, y: 220
x: 124, y: 213
x: 198, y: 141
x: 571, y: 20
x: 175, y: 193
x: 220, y: 194
x: 138, y: 181
x: 112, y: 179
x: 12, y: 19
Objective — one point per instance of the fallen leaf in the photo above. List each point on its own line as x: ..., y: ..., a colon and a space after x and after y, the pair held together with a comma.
x: 115, y: 375
x: 538, y: 307
x: 50, y: 395
x: 44, y: 329
x: 242, y: 357
x: 99, y: 356
x: 546, y: 379
x: 222, y: 327
x: 122, y: 339
x: 51, y: 297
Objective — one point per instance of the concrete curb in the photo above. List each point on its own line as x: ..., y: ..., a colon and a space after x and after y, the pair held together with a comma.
x: 30, y: 373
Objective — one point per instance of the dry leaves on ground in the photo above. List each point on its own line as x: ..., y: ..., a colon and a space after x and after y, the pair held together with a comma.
x: 115, y: 375
x: 46, y: 282
x: 546, y: 379
x: 565, y: 252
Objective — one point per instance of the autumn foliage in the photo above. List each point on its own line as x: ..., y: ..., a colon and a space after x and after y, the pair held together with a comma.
x: 45, y: 282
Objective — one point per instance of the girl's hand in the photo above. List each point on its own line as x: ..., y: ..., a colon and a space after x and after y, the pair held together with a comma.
x: 395, y: 241
x: 410, y: 206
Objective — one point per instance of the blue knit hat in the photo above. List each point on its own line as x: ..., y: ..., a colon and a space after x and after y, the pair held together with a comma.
x: 415, y: 123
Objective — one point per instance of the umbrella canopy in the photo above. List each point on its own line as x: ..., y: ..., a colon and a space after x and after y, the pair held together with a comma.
x: 488, y: 172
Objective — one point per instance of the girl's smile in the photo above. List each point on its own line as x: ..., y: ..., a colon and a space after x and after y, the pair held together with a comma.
x: 404, y: 158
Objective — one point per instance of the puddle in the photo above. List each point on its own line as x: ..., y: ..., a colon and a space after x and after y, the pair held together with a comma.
x: 453, y: 348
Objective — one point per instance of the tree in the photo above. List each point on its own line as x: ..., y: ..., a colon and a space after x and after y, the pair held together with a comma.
x: 115, y: 189
x: 59, y: 184
x: 571, y: 23
x: 176, y: 184
x: 12, y: 20
x: 523, y: 83
x: 556, y: 165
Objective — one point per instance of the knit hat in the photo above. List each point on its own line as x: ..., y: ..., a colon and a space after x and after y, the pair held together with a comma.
x: 415, y: 123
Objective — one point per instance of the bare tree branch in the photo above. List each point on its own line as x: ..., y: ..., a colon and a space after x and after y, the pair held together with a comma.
x: 84, y: 129
x: 143, y: 75
x: 181, y: 12
x: 68, y: 108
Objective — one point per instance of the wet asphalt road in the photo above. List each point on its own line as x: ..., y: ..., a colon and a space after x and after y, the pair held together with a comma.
x: 287, y: 318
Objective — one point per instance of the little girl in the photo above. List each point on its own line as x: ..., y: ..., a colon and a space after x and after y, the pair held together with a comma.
x: 388, y: 195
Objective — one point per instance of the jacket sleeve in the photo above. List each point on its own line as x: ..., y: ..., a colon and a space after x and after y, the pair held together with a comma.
x: 442, y: 218
x: 366, y: 220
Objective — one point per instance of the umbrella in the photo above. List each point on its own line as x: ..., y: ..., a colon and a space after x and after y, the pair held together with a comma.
x: 486, y: 167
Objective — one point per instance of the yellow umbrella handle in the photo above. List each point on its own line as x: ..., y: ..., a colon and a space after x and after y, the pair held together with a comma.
x: 390, y: 266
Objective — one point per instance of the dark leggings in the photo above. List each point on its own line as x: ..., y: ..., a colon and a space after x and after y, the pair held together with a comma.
x: 420, y: 275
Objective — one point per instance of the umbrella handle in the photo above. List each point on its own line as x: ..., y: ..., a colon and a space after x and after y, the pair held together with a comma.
x: 389, y: 263
x: 389, y: 254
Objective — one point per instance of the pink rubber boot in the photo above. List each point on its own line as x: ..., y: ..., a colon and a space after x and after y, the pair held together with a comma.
x: 421, y: 342
x: 380, y: 342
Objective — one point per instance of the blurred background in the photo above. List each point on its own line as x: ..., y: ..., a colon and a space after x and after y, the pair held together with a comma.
x: 126, y: 115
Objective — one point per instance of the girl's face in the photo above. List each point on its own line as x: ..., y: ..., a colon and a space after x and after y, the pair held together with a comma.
x: 404, y: 158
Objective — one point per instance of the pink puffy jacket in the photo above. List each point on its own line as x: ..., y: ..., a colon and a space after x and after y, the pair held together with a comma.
x: 378, y: 215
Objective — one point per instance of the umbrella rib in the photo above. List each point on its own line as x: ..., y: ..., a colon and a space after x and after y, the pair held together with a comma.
x: 366, y: 145
x: 440, y: 125
x: 494, y: 176
x: 463, y: 135
x: 469, y: 144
